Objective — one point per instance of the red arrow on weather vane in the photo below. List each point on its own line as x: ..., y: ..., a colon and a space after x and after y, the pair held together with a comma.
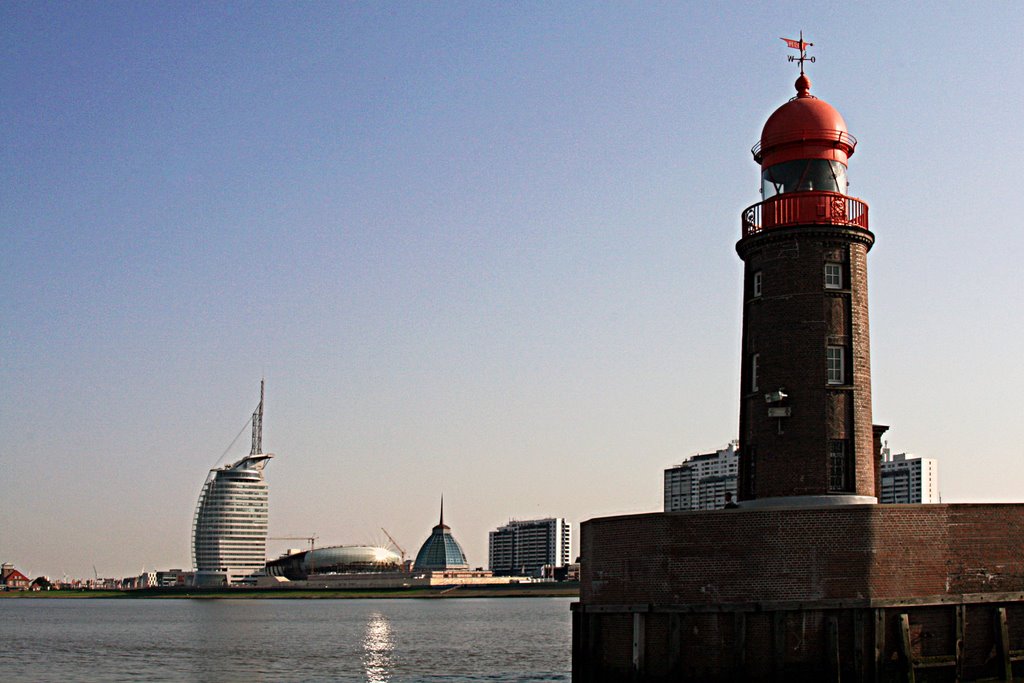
x: 801, y: 45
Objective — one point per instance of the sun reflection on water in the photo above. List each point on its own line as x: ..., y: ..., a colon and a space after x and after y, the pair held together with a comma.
x: 378, y: 646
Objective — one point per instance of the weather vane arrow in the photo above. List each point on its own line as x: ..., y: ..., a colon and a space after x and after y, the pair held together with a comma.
x: 802, y: 46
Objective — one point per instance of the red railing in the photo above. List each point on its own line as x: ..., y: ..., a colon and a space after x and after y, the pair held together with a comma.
x: 804, y: 208
x: 838, y: 138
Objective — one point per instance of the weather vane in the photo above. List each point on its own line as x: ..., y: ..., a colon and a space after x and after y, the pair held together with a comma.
x: 802, y: 46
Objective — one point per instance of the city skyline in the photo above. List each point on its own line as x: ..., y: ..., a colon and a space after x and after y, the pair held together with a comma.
x: 485, y: 252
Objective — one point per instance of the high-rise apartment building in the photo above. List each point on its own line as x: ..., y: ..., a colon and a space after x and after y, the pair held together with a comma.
x: 909, y: 479
x: 525, y: 546
x: 229, y: 532
x: 701, y: 482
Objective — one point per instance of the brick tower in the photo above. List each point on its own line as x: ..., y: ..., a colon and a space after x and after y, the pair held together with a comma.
x: 805, y: 398
x: 802, y: 582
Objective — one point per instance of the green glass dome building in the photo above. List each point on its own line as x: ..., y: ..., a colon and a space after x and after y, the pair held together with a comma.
x: 440, y: 551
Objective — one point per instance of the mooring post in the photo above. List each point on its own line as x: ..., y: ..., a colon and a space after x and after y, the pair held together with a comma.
x: 778, y: 646
x: 833, y: 649
x: 675, y: 643
x: 908, y: 652
x: 639, y: 644
x: 859, y: 628
x: 1004, y: 643
x: 879, y: 641
x: 961, y: 634
x: 578, y: 640
x: 740, y: 643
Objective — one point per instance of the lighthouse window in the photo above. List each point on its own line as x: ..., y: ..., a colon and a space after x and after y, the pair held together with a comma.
x: 802, y: 175
x: 833, y: 276
x: 757, y: 283
x: 754, y: 369
x: 834, y: 362
x: 837, y: 465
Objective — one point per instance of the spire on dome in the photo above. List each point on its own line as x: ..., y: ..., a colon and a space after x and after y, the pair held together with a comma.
x: 440, y: 551
x: 440, y: 524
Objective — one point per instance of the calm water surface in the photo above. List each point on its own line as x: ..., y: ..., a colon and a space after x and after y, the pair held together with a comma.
x: 402, y: 640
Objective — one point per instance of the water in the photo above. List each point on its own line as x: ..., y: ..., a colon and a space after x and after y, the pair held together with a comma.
x: 394, y: 641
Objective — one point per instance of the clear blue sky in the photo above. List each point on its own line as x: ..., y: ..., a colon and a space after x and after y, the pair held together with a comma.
x: 479, y: 249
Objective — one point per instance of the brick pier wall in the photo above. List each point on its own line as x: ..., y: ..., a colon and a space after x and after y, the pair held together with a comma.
x: 802, y: 594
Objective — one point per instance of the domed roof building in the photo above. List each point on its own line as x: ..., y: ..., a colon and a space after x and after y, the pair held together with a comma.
x: 338, y: 559
x: 440, y: 552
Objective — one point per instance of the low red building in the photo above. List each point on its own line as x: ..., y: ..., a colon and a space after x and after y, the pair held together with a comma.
x: 13, y: 580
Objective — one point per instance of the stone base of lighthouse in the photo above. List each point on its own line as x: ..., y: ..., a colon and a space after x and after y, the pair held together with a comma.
x: 851, y: 593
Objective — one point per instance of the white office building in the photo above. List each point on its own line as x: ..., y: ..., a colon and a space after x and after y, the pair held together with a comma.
x: 229, y: 531
x: 701, y: 482
x: 909, y: 479
x: 524, y: 547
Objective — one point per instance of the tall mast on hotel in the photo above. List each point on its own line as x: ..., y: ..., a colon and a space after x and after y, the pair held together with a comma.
x: 257, y: 424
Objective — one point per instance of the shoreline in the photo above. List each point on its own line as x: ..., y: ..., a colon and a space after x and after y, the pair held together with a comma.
x: 558, y: 590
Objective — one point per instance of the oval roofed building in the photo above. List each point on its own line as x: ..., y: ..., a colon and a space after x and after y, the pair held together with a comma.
x: 340, y: 559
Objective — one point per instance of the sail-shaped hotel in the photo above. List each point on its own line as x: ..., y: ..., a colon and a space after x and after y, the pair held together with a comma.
x: 229, y: 532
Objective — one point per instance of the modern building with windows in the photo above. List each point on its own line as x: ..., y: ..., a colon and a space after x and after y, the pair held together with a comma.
x: 524, y: 547
x: 440, y: 552
x: 701, y: 482
x: 909, y: 479
x: 229, y: 531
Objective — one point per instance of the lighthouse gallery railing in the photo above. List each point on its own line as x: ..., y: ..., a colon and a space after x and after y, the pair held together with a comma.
x: 804, y: 208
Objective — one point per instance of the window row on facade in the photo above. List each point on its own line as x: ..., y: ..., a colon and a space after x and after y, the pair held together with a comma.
x: 833, y: 279
x: 835, y: 363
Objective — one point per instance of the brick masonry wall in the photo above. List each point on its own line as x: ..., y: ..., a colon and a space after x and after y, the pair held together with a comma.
x: 789, y: 325
x: 842, y: 552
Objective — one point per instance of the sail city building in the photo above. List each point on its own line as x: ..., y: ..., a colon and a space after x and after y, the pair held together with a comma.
x: 229, y: 531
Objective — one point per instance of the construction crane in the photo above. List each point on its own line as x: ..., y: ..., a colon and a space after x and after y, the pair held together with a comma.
x: 395, y: 543
x: 312, y: 546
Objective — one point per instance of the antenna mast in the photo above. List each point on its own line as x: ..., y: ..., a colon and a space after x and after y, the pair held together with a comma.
x: 257, y: 425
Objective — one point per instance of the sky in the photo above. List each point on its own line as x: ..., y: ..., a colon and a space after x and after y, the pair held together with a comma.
x: 484, y: 250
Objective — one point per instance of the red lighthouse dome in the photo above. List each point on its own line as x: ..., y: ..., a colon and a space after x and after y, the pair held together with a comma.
x: 804, y: 128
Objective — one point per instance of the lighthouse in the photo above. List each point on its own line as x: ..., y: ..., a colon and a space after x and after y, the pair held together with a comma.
x: 805, y: 430
x: 802, y: 581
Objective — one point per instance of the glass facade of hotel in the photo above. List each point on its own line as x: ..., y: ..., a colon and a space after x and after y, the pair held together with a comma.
x: 229, y: 534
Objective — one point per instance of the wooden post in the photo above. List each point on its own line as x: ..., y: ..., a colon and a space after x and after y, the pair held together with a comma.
x: 778, y: 646
x: 833, y: 649
x: 593, y: 664
x: 639, y: 644
x: 675, y: 644
x: 578, y: 641
x: 908, y: 652
x: 740, y: 644
x: 879, y: 642
x: 961, y: 633
x: 859, y: 628
x: 1004, y: 643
